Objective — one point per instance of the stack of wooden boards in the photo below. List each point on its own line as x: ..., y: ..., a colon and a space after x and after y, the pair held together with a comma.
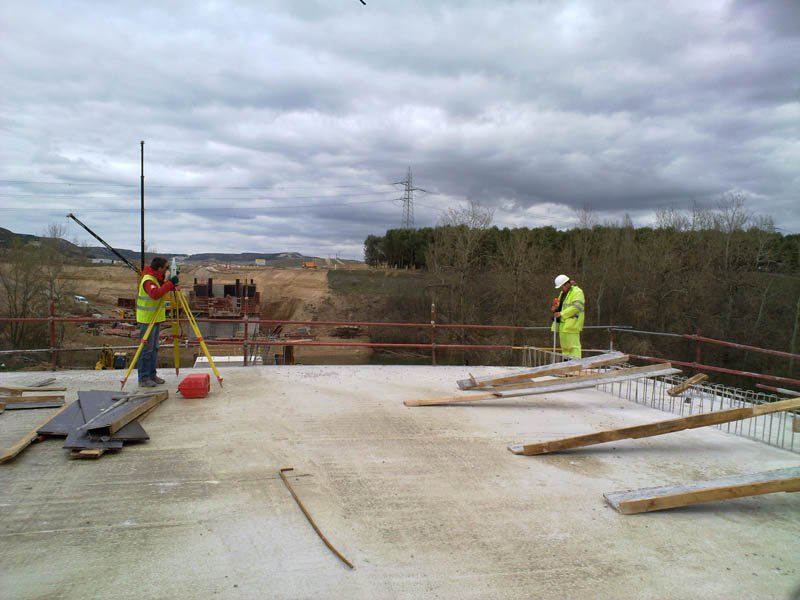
x: 581, y: 374
x: 98, y: 421
x: 14, y: 397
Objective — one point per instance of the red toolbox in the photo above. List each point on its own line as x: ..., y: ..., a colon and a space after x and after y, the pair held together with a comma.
x: 195, y: 386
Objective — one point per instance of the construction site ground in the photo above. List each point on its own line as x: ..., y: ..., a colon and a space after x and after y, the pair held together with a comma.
x: 286, y: 293
x: 426, y: 502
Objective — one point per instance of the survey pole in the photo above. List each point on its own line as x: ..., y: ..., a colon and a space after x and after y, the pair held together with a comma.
x: 142, y: 198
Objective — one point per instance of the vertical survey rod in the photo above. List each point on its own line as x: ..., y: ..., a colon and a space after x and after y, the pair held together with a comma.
x: 142, y: 203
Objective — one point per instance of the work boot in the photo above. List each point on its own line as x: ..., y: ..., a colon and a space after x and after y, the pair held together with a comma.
x: 158, y: 380
x: 147, y: 383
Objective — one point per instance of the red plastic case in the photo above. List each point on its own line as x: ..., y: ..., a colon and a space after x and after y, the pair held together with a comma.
x: 195, y: 386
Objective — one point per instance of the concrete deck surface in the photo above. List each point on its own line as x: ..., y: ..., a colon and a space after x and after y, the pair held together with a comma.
x: 427, y: 502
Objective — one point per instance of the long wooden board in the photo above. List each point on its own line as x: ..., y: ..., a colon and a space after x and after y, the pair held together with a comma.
x: 115, y: 419
x: 560, y: 385
x: 18, y: 389
x: 34, y: 405
x: 602, y: 376
x: 610, y: 358
x: 682, y: 387
x: 26, y: 440
x: 652, y: 429
x: 659, y: 498
x: 92, y: 403
x: 14, y: 399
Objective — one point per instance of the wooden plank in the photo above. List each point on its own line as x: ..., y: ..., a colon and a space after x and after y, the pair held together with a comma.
x: 90, y: 453
x: 653, y: 429
x: 610, y: 358
x: 559, y: 385
x: 660, y: 498
x: 34, y: 405
x: 26, y: 440
x: 571, y: 372
x: 532, y: 385
x: 92, y: 403
x: 13, y: 399
x: 682, y: 387
x: 116, y: 418
x: 18, y: 389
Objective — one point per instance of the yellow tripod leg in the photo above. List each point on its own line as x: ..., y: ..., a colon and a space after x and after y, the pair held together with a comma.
x: 176, y: 334
x: 196, y: 329
x: 145, y: 337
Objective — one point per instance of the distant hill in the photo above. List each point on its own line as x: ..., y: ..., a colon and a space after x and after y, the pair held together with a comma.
x: 9, y: 238
x: 274, y: 259
x: 245, y: 257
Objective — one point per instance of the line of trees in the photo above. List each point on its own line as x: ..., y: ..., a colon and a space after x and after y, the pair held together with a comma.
x: 721, y: 271
x: 30, y: 280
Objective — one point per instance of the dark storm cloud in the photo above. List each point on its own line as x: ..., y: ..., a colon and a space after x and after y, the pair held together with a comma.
x: 262, y: 111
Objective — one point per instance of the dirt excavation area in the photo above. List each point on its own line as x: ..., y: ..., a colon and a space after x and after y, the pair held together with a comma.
x: 426, y: 502
x: 286, y: 293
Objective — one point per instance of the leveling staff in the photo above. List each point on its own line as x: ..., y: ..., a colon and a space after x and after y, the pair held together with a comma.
x: 152, y: 287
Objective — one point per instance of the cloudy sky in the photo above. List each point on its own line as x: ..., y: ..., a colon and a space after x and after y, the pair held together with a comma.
x: 273, y: 126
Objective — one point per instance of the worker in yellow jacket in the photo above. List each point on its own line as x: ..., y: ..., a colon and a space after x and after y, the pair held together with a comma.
x: 569, y: 313
x: 152, y: 286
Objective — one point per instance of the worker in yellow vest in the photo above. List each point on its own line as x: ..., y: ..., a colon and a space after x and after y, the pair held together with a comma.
x: 152, y: 287
x: 568, y: 316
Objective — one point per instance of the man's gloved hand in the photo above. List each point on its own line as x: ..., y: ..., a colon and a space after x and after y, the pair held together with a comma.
x: 554, y: 305
x: 174, y: 280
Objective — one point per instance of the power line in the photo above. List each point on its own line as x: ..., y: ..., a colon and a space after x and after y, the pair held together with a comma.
x: 216, y: 187
x: 169, y: 197
x: 193, y: 209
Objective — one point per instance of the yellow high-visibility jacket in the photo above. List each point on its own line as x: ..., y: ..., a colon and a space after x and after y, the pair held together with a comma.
x: 573, y: 311
x: 146, y: 306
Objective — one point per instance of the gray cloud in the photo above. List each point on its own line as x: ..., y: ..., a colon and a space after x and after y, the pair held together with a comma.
x: 534, y: 108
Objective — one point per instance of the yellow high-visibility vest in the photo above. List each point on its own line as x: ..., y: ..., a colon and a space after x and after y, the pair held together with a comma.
x: 573, y: 312
x: 146, y: 306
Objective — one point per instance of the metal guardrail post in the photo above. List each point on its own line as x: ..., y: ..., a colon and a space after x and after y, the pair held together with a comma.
x: 245, y: 345
x: 52, y: 326
x: 433, y: 334
x: 697, y: 353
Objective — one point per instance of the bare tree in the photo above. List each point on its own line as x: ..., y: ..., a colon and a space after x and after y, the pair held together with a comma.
x: 670, y: 217
x: 21, y: 278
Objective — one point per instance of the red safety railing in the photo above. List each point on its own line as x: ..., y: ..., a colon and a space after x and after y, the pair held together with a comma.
x: 248, y: 341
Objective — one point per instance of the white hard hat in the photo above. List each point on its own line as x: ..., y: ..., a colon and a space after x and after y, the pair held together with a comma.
x: 561, y: 280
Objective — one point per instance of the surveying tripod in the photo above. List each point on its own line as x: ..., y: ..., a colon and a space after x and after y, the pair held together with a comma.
x: 179, y: 303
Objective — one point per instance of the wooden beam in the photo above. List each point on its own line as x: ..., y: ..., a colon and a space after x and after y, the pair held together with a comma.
x: 116, y: 418
x: 18, y: 389
x: 589, y: 377
x: 13, y: 399
x: 652, y: 429
x: 661, y: 498
x: 90, y: 453
x: 26, y: 440
x: 556, y: 385
x: 34, y: 405
x: 611, y: 358
x: 682, y: 387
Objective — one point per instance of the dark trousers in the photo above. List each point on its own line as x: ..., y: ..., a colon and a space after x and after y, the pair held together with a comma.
x: 148, y: 359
